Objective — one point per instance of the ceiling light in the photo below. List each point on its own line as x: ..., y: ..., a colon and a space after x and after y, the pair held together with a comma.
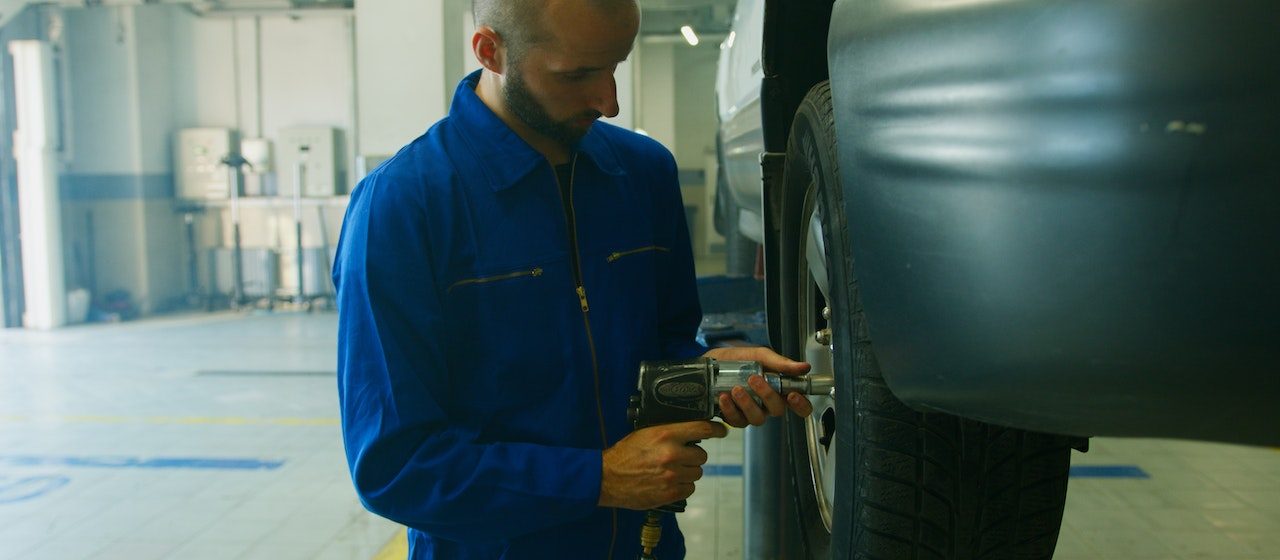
x: 689, y: 35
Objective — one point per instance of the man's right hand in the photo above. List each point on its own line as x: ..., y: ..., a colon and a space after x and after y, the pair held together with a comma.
x: 657, y: 465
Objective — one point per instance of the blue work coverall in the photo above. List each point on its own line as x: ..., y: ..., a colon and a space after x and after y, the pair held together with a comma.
x: 489, y: 337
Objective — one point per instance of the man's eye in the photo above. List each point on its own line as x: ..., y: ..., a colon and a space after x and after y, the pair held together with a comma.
x: 576, y: 76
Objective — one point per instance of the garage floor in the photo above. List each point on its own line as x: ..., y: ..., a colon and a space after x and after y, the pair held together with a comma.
x: 216, y: 437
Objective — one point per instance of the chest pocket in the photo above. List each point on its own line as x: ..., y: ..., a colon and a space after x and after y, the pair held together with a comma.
x: 626, y: 300
x: 507, y: 331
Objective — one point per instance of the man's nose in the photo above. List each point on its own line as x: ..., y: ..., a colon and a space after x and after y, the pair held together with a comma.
x: 605, y: 98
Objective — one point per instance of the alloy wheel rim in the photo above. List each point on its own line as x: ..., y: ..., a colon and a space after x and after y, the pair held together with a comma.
x: 813, y: 295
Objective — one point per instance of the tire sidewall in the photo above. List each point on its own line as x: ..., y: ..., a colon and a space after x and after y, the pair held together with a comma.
x: 810, y: 156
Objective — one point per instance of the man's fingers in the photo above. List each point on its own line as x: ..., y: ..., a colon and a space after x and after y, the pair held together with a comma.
x: 799, y: 404
x: 773, y: 361
x: 748, y: 407
x: 772, y: 400
x: 688, y: 474
x: 730, y: 413
x: 697, y: 430
x: 693, y: 456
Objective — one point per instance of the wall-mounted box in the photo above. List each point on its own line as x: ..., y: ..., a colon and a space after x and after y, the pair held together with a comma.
x: 317, y: 149
x: 198, y: 154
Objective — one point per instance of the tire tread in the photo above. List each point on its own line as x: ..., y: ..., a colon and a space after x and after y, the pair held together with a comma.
x: 925, y: 485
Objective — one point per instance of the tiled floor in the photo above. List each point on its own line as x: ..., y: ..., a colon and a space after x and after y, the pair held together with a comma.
x: 144, y: 440
x: 216, y: 437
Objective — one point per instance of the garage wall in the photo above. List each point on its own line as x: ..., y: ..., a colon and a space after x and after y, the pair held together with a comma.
x: 696, y: 124
x: 401, y: 54
x: 117, y: 183
x: 138, y: 73
x: 261, y: 74
x: 683, y: 119
x: 694, y: 106
x: 656, y: 92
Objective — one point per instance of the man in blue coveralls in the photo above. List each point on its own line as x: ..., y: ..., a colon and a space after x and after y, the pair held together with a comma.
x: 499, y: 281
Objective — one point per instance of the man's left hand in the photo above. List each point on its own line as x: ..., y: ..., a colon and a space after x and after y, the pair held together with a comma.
x: 738, y: 409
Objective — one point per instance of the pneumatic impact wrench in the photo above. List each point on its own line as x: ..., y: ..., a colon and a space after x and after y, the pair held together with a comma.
x: 689, y: 390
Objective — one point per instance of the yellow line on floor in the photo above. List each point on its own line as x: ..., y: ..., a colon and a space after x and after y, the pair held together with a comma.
x: 396, y: 549
x: 167, y: 420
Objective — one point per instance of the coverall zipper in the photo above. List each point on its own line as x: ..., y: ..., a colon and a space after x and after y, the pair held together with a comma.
x: 571, y: 221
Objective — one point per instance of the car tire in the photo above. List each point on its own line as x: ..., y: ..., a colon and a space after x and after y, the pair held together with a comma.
x: 875, y: 478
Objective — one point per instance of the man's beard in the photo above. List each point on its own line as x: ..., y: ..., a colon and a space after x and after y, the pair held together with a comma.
x: 521, y: 103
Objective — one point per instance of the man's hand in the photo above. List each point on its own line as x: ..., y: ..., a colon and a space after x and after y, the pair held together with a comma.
x: 737, y: 408
x: 655, y: 466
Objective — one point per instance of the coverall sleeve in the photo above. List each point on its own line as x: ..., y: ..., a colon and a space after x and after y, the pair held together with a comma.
x: 681, y: 313
x: 410, y: 461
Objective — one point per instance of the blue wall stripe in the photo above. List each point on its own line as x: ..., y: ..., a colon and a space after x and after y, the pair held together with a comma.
x: 722, y: 470
x: 1108, y: 471
x: 108, y: 462
x: 116, y: 187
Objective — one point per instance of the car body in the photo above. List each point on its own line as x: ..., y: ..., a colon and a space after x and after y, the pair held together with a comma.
x: 1064, y: 216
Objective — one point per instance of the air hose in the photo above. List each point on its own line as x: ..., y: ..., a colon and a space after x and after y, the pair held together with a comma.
x: 650, y: 534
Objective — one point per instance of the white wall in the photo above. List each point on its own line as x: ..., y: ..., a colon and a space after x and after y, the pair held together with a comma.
x: 655, y: 95
x: 205, y: 90
x: 155, y: 87
x: 102, y: 99
x: 120, y: 105
x: 459, y: 60
x: 694, y: 106
x: 675, y: 104
x: 261, y: 74
x: 400, y: 48
x: 307, y: 76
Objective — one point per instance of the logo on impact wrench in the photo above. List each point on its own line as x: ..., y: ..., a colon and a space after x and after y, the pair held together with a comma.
x: 681, y: 390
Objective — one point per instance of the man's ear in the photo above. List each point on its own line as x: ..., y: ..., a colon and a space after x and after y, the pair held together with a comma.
x: 487, y: 45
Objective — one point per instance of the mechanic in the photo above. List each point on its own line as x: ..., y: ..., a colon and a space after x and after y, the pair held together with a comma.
x: 499, y: 281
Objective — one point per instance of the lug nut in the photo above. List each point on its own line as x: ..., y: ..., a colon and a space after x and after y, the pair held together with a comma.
x: 823, y: 337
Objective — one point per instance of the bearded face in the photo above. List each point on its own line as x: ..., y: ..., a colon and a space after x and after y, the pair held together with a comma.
x: 524, y: 104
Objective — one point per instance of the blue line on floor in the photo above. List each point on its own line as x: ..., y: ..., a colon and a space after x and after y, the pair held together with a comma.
x: 722, y: 470
x: 108, y: 462
x: 24, y: 489
x: 1108, y: 471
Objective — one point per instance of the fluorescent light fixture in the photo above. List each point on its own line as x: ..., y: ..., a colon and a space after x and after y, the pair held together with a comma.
x: 689, y: 35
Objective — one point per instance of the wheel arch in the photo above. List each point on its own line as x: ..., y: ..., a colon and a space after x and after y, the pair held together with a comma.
x: 793, y: 60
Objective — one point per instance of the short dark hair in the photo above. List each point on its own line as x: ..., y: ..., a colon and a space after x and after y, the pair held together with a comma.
x: 516, y: 21
x: 519, y: 22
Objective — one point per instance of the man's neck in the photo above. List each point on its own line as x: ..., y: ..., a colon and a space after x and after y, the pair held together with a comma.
x: 490, y: 92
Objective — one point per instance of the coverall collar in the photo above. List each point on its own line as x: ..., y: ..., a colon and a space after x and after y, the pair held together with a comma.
x: 506, y: 158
